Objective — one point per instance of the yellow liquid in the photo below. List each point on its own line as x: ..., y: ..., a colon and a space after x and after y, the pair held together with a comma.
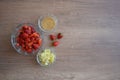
x: 48, y: 23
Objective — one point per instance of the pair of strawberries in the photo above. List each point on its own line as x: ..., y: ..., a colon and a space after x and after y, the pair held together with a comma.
x: 28, y: 39
x: 54, y: 39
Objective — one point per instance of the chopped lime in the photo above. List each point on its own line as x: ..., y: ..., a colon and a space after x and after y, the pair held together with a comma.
x: 47, y: 50
x: 46, y: 57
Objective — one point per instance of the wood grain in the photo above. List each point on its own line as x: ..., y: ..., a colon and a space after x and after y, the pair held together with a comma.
x: 90, y: 49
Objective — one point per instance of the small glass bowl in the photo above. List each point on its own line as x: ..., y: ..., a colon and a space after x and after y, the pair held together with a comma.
x: 42, y: 17
x: 16, y: 33
x: 39, y: 53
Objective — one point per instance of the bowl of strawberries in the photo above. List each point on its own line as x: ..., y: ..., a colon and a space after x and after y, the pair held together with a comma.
x: 27, y: 39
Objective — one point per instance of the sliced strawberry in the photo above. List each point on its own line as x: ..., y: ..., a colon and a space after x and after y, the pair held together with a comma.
x: 30, y: 44
x: 20, y: 31
x: 17, y: 39
x: 17, y: 45
x: 29, y: 28
x: 26, y: 47
x: 35, y: 46
x: 32, y: 30
x: 28, y: 31
x: 35, y: 34
x: 24, y: 27
x: 22, y: 40
x: 27, y: 40
x: 23, y: 48
x: 39, y: 42
x: 35, y: 41
x: 29, y: 50
x: 23, y: 45
x: 32, y: 38
x: 20, y: 35
x: 25, y: 35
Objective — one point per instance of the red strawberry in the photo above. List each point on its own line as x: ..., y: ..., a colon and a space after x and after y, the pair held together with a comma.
x: 27, y: 31
x: 35, y: 46
x: 52, y: 37
x: 59, y: 36
x: 26, y: 47
x: 29, y: 28
x: 32, y: 30
x: 39, y: 42
x: 35, y: 34
x: 29, y: 50
x: 23, y: 45
x: 30, y: 44
x: 23, y: 48
x: 56, y: 43
x: 18, y: 39
x: 27, y: 40
x: 17, y: 45
x: 25, y: 35
x: 24, y: 27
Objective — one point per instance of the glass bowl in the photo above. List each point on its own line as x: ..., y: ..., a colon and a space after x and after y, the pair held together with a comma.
x: 39, y: 53
x: 42, y: 17
x: 15, y: 34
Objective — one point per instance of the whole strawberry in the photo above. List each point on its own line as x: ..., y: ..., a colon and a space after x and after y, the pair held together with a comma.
x: 55, y: 43
x: 52, y: 37
x: 59, y: 36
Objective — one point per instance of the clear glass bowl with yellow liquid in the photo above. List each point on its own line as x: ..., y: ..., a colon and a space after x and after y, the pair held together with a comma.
x: 47, y: 23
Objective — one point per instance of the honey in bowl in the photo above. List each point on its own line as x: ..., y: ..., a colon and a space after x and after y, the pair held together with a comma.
x: 48, y: 23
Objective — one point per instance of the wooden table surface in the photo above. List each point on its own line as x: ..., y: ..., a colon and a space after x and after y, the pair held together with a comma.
x: 90, y: 49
